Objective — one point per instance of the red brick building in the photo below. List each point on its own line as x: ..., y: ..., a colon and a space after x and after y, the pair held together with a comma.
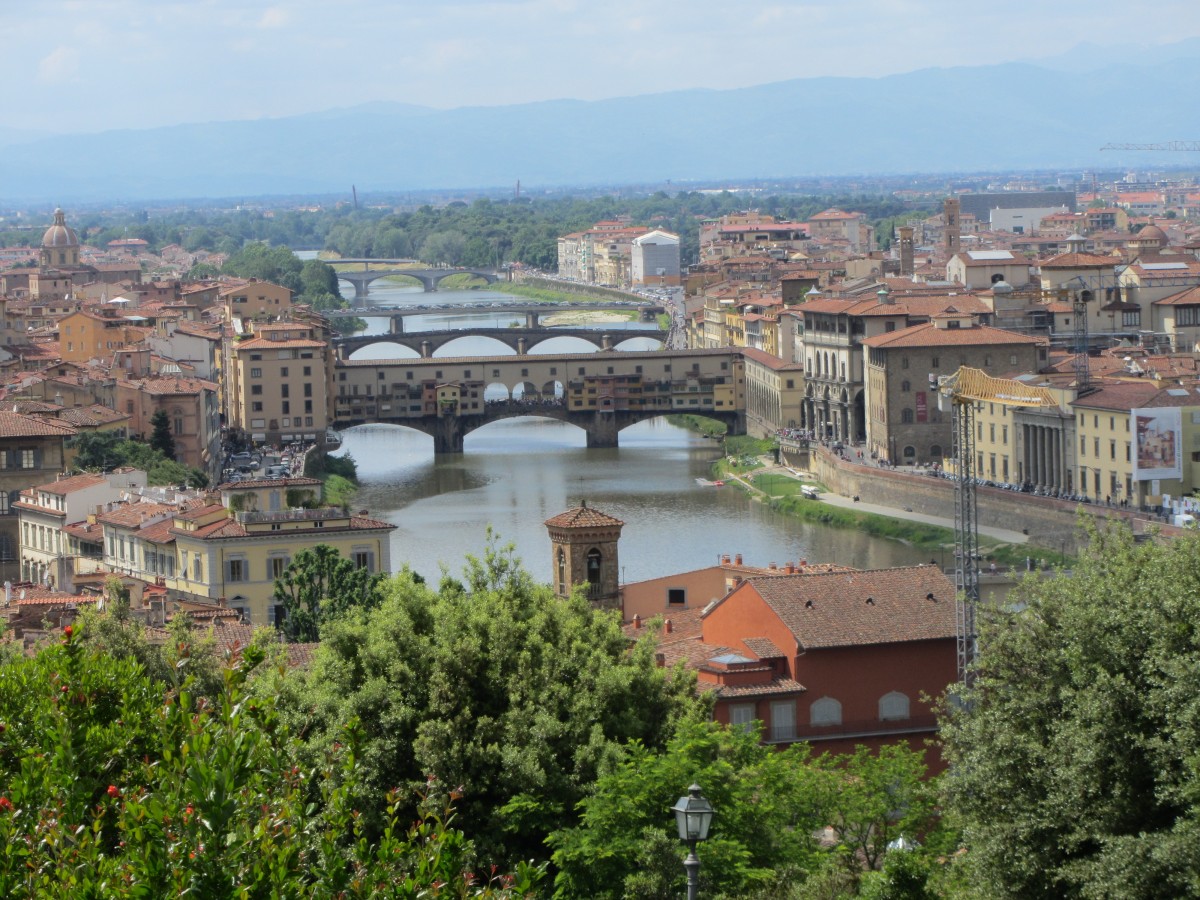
x: 835, y: 658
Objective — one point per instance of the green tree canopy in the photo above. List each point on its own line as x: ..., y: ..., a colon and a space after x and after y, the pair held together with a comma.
x: 115, y: 784
x: 1075, y: 759
x: 493, y: 684
x: 320, y: 584
x: 770, y: 806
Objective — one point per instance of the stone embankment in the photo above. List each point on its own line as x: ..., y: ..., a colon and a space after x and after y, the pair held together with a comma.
x: 1048, y: 522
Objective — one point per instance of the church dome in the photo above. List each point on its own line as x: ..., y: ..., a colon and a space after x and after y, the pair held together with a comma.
x: 1151, y: 233
x: 60, y: 234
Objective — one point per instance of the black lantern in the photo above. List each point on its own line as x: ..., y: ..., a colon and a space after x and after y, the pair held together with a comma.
x: 693, y: 815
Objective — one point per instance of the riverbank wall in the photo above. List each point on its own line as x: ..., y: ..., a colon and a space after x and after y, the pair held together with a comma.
x: 583, y: 290
x: 1050, y: 523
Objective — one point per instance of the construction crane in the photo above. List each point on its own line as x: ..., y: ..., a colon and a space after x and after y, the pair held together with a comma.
x: 1193, y: 146
x: 960, y: 393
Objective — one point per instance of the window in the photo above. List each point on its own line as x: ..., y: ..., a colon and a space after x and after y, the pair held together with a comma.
x: 910, y: 452
x: 906, y: 386
x: 676, y: 596
x: 256, y: 390
x: 893, y: 706
x: 935, y: 363
x: 593, y: 566
x: 364, y: 559
x: 276, y: 566
x: 256, y: 406
x: 256, y: 373
x: 741, y: 715
x: 562, y: 571
x: 235, y: 570
x: 1187, y: 315
x: 906, y: 416
x: 197, y: 568
x: 904, y: 362
x: 29, y: 459
x: 284, y: 390
x: 783, y: 720
x: 283, y: 372
x: 825, y: 711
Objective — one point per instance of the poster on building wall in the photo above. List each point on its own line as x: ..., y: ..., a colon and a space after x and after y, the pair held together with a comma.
x: 922, y: 407
x: 1158, y: 435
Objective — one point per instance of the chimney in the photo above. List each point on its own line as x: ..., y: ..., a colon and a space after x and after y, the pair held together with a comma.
x: 725, y: 559
x: 667, y: 627
x: 737, y: 560
x: 772, y: 567
x: 790, y: 569
x: 906, y: 250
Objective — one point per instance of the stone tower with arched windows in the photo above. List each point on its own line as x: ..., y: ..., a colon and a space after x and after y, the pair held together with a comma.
x: 583, y: 544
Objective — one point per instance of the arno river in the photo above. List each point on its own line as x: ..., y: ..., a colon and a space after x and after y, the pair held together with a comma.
x: 517, y: 473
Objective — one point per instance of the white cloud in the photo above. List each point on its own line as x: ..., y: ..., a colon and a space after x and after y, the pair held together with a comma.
x: 59, y: 65
x: 274, y: 17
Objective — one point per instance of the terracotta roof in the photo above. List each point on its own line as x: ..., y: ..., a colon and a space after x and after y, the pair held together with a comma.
x: 763, y: 648
x: 582, y: 517
x: 132, y: 515
x: 65, y: 486
x: 1188, y: 297
x: 85, y: 531
x: 264, y: 344
x: 847, y: 609
x: 1126, y: 395
x: 1079, y: 261
x: 779, y: 685
x: 176, y: 385
x: 88, y: 416
x: 930, y: 335
x: 771, y: 361
x: 16, y: 425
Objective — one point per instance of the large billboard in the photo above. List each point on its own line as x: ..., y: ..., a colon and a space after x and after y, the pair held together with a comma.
x: 1158, y: 443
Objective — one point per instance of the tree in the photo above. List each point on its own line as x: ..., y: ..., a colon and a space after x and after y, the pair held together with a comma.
x: 444, y: 248
x: 491, y: 683
x: 318, y: 585
x: 763, y: 833
x: 1075, y: 755
x: 161, y: 438
x: 115, y: 784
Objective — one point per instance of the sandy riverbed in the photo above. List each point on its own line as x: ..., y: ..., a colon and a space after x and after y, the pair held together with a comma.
x: 583, y: 317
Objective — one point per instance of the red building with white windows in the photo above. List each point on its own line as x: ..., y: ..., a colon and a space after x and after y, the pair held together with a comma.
x: 834, y: 658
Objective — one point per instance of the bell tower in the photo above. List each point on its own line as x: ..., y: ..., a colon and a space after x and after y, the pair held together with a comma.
x: 583, y: 546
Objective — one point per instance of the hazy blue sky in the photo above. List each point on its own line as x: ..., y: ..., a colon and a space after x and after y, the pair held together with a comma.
x: 86, y: 65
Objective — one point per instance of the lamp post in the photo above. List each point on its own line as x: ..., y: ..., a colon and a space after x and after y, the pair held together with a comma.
x: 693, y: 815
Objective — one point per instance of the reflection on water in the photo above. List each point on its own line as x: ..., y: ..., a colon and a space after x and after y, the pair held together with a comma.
x: 516, y: 473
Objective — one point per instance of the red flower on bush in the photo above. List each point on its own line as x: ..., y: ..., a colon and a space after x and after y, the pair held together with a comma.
x: 114, y: 791
x: 5, y: 804
x: 68, y: 631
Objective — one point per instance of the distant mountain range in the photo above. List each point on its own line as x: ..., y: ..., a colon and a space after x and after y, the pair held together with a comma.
x: 986, y: 118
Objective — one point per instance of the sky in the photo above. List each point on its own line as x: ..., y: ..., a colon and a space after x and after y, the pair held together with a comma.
x: 77, y: 66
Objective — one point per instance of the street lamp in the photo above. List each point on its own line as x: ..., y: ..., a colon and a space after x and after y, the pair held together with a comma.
x: 693, y: 815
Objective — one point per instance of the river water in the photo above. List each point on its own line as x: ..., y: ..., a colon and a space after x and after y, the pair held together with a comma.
x: 517, y: 473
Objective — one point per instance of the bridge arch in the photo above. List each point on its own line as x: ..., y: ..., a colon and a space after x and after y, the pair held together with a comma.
x: 394, y: 350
